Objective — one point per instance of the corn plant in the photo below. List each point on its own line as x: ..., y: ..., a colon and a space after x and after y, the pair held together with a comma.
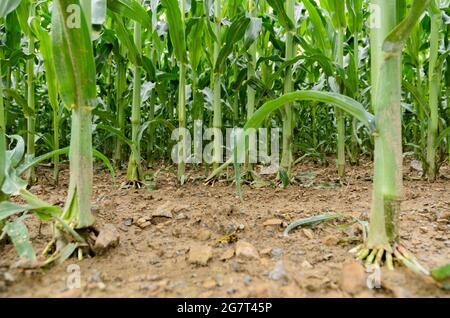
x: 74, y: 60
x: 388, y: 39
x: 434, y: 74
x: 134, y: 163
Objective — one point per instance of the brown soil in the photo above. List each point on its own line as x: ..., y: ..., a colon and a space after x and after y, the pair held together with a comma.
x: 155, y: 261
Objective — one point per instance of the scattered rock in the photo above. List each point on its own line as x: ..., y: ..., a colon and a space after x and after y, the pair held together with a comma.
x: 228, y: 254
x: 228, y: 210
x: 246, y: 250
x: 308, y: 233
x: 200, y: 254
x: 416, y: 165
x: 306, y: 265
x: 143, y: 223
x: 331, y: 240
x: 279, y: 272
x: 236, y: 267
x: 204, y: 235
x: 276, y: 252
x: 9, y: 278
x: 248, y: 280
x: 164, y: 211
x: 231, y: 291
x: 181, y: 216
x: 423, y: 229
x: 107, y: 238
x: 128, y: 221
x: 180, y: 207
x: 445, y: 216
x: 353, y: 278
x: 273, y: 222
x: 266, y: 251
x: 210, y: 284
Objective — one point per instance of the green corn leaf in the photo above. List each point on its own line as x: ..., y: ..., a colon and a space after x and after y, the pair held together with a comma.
x: 20, y: 100
x: 8, y: 208
x: 46, y: 49
x: 126, y: 39
x: 284, y: 178
x: 396, y: 39
x: 8, y: 6
x: 355, y: 17
x: 13, y: 32
x: 416, y: 94
x: 195, y: 38
x: 2, y: 156
x: 15, y: 155
x: 336, y: 9
x: 235, y: 33
x: 311, y: 221
x: 97, y: 154
x: 252, y: 32
x: 322, y: 38
x: 37, y: 160
x: 345, y: 103
x: 73, y: 55
x: 441, y: 273
x: 23, y: 13
x: 444, y: 134
x: 115, y: 132
x: 132, y: 10
x: 66, y: 252
x: 176, y: 28
x: 18, y: 233
x: 283, y: 19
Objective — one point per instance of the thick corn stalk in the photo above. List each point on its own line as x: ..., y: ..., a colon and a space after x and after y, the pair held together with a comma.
x: 288, y: 119
x: 434, y: 75
x: 134, y: 173
x: 217, y: 106
x: 387, y: 41
x: 75, y: 65
x: 31, y: 120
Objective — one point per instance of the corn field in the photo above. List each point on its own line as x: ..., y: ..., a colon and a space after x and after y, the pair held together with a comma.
x: 246, y: 100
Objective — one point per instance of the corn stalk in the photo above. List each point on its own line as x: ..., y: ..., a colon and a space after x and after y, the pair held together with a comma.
x: 287, y: 114
x: 387, y: 42
x: 217, y: 102
x: 134, y: 173
x: 74, y: 61
x: 434, y: 74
